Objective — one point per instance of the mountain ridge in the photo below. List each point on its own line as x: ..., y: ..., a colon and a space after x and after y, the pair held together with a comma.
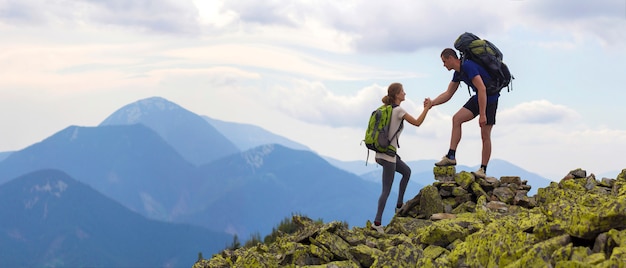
x: 50, y: 219
x: 246, y: 136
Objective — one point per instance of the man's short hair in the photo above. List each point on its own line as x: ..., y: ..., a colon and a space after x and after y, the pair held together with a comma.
x: 448, y: 52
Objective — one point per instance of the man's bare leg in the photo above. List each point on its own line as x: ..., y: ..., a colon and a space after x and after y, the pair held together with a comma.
x: 485, y: 134
x: 462, y: 116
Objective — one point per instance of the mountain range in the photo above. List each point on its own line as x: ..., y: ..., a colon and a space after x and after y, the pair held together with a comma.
x: 51, y: 220
x: 166, y: 164
x: 130, y: 164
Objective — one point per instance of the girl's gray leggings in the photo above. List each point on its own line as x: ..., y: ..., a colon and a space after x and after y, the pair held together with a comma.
x: 389, y: 170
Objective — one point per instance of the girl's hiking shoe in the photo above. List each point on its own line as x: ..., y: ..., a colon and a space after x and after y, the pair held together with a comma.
x: 378, y: 228
x: 445, y: 161
x: 480, y: 173
x: 399, y: 208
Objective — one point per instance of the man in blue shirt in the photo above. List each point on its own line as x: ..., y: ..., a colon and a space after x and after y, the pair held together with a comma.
x: 476, y: 77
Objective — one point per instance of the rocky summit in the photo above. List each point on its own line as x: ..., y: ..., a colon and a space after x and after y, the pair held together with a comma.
x: 465, y: 221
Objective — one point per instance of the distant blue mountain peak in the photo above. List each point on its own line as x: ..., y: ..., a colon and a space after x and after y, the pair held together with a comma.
x: 157, y: 104
x: 188, y: 133
x: 134, y: 112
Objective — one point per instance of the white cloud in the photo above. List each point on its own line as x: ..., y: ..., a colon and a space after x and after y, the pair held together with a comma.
x: 599, y: 21
x: 162, y: 16
x: 539, y: 112
x: 211, y: 13
x: 403, y: 25
x: 366, y: 26
x: 63, y: 68
x: 314, y: 103
x: 396, y: 25
x: 281, y: 60
x: 168, y: 16
x: 576, y: 9
x: 552, y: 150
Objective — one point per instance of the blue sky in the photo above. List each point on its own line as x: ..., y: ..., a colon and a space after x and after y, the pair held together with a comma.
x: 312, y: 71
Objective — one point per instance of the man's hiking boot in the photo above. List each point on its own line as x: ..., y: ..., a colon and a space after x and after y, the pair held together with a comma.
x: 445, y: 161
x: 480, y: 173
x: 378, y: 228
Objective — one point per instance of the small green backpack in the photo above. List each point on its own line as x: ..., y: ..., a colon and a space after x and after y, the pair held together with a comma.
x: 377, y: 135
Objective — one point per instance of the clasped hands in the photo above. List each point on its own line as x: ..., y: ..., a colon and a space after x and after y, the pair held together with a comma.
x: 428, y: 103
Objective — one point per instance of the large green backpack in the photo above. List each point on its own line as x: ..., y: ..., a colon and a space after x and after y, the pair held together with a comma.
x: 487, y: 55
x: 378, y: 136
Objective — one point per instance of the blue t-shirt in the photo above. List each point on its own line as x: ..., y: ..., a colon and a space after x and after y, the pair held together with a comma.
x: 471, y: 69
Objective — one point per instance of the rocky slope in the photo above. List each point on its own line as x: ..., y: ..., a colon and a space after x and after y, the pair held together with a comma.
x: 464, y: 221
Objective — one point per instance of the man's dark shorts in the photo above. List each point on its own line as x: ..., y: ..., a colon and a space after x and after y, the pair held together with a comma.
x: 492, y: 106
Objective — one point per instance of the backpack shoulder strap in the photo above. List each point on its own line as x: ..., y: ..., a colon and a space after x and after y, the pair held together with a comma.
x: 399, y: 127
x: 463, y: 58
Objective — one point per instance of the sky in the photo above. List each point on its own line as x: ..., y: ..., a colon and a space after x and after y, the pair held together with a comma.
x: 313, y: 70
